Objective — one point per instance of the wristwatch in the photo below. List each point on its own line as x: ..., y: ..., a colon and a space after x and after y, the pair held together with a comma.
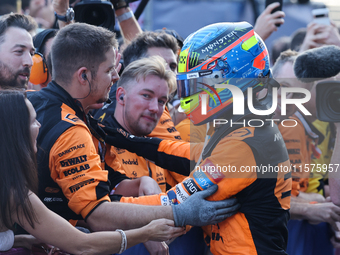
x: 118, y: 4
x: 68, y: 17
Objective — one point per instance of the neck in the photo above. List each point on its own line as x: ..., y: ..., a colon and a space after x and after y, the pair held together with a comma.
x: 77, y: 92
x: 120, y: 118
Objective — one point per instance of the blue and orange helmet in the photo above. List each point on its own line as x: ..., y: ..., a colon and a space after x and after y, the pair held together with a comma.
x: 221, y: 53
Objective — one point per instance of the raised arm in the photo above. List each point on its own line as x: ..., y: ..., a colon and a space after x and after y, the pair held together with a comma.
x: 266, y: 23
x: 128, y: 24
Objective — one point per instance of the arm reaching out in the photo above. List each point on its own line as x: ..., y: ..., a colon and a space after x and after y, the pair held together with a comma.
x: 54, y: 230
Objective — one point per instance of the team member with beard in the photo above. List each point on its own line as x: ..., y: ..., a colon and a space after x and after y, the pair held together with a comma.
x: 142, y: 93
x: 16, y: 50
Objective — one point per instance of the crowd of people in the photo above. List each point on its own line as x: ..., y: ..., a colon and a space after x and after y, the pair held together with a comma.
x: 152, y: 144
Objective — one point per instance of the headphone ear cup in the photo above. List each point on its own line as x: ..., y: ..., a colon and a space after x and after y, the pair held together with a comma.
x: 39, y: 72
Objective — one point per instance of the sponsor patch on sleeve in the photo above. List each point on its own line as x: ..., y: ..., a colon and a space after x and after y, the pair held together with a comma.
x: 165, y: 201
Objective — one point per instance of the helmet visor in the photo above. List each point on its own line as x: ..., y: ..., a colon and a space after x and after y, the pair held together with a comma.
x: 195, y: 82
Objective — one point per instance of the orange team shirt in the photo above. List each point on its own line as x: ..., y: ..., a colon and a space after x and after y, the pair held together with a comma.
x: 299, y: 150
x: 78, y: 171
x: 134, y: 166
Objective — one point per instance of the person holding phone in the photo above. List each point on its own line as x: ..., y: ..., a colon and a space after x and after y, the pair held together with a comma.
x: 270, y: 19
x: 318, y: 35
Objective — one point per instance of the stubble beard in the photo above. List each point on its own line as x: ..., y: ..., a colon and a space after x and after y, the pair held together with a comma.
x: 10, y: 80
x: 136, y: 126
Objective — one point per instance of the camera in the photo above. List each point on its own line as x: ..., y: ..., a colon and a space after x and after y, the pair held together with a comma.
x: 95, y: 12
x: 328, y: 101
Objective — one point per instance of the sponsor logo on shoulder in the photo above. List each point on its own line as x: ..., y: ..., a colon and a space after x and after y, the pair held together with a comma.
x: 75, y: 170
x: 73, y: 161
x: 79, y: 146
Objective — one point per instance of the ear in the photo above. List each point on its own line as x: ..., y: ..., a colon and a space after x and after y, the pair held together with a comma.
x: 80, y: 75
x: 120, y: 95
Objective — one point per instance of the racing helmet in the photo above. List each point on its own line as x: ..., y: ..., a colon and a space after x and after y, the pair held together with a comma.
x: 221, y: 53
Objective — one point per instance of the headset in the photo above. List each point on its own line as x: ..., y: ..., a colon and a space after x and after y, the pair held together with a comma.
x: 39, y: 70
x: 83, y: 75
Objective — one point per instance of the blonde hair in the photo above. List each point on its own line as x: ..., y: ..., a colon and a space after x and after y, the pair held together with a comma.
x: 144, y: 67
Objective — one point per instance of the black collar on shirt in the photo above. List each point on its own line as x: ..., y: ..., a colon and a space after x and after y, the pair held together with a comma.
x: 115, y: 123
x: 61, y: 94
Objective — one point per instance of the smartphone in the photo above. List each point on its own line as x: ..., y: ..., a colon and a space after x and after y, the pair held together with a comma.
x: 268, y: 2
x: 321, y: 16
